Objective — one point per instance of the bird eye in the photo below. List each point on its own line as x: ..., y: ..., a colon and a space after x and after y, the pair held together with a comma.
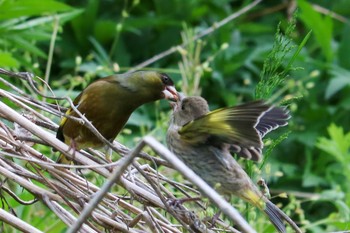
x: 166, y: 79
x: 182, y: 107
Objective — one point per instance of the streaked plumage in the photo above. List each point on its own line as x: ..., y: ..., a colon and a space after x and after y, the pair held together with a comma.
x: 204, y: 140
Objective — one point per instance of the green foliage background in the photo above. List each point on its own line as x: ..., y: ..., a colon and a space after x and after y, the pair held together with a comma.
x: 97, y: 38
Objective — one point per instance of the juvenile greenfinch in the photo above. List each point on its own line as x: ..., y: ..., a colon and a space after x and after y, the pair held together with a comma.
x: 204, y: 140
x: 108, y: 103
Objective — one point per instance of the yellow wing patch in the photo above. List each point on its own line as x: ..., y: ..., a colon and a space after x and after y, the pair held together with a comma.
x: 214, y: 123
x: 231, y: 125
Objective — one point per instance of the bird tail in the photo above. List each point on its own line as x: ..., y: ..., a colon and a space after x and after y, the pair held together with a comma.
x: 276, y: 216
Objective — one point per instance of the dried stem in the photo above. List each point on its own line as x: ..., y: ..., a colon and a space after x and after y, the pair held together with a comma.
x: 224, y: 206
x: 17, y: 223
x: 200, y: 35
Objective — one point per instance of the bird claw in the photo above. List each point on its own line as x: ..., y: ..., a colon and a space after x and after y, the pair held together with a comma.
x: 213, y: 220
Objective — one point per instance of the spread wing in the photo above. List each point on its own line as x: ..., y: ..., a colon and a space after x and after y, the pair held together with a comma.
x: 242, y: 127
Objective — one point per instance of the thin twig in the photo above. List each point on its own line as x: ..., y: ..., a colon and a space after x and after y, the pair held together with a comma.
x: 36, y: 190
x: 17, y: 222
x: 202, y: 185
x: 14, y: 196
x: 66, y: 216
x: 157, y: 190
x: 204, y: 33
x: 118, y: 171
x: 332, y: 14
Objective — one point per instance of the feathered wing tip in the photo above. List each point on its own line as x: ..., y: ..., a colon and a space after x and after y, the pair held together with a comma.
x: 242, y: 127
x: 240, y: 122
x: 277, y: 217
x: 233, y: 125
x: 244, y: 122
x: 252, y: 153
x: 272, y: 119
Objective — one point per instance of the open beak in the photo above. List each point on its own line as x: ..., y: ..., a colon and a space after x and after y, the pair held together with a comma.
x: 181, y: 96
x: 170, y: 93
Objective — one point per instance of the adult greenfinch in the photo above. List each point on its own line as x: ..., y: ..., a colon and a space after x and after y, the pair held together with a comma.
x: 108, y: 103
x: 204, y: 141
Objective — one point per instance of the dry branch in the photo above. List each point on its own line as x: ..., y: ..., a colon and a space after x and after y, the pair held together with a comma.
x: 145, y: 202
x: 17, y: 223
x: 200, y: 35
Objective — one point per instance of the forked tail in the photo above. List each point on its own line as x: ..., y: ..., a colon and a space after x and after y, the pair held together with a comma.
x: 277, y: 216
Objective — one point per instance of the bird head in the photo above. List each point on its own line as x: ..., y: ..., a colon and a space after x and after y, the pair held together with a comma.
x: 169, y: 92
x: 152, y: 85
x: 188, y: 109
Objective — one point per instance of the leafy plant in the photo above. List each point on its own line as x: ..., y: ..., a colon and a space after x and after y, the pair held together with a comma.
x: 97, y: 38
x: 338, y: 146
x: 25, y: 24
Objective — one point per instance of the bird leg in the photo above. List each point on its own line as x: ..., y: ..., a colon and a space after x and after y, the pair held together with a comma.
x: 188, y: 217
x: 215, y: 218
x: 177, y: 204
x: 72, y: 146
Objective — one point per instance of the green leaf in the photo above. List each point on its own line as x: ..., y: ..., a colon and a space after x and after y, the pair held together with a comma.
x: 47, y: 19
x: 28, y: 46
x: 100, y: 53
x: 39, y: 35
x: 344, y: 48
x: 297, y: 52
x: 312, y: 180
x: 340, y: 79
x: 271, y: 76
x: 139, y: 119
x: 344, y: 209
x: 7, y: 60
x: 332, y: 195
x: 337, y: 145
x: 322, y: 27
x: 12, y: 9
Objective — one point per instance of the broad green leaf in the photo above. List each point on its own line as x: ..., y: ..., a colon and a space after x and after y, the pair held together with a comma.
x: 7, y: 60
x: 344, y: 48
x: 48, y: 19
x: 338, y: 82
x: 25, y: 45
x: 337, y: 145
x: 332, y: 194
x: 344, y: 209
x: 11, y: 9
x: 322, y: 27
x: 101, y: 53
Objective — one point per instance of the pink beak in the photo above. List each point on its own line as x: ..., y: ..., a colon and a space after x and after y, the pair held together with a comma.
x: 170, y: 93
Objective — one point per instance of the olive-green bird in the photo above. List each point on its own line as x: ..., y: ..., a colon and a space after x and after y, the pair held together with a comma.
x: 108, y: 103
x: 204, y: 140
